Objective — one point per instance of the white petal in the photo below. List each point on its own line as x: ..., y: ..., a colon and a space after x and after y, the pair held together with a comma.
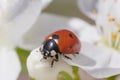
x: 45, y: 24
x: 49, y: 22
x: 87, y: 7
x: 109, y: 9
x: 89, y: 35
x: 5, y: 36
x: 10, y: 9
x: 85, y: 76
x: 86, y: 32
x: 98, y: 61
x: 77, y: 24
x: 23, y: 21
x: 42, y: 70
x: 9, y: 64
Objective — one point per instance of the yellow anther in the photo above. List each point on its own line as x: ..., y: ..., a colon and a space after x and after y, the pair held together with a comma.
x: 111, y: 19
x: 94, y: 11
x: 113, y: 36
x: 119, y: 30
x: 118, y: 24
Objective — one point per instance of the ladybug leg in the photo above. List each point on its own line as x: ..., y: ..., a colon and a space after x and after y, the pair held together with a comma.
x: 76, y: 54
x: 55, y: 59
x: 67, y: 57
x: 42, y: 59
x: 52, y: 62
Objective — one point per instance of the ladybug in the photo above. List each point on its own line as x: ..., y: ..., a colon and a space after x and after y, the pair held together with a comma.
x: 61, y: 42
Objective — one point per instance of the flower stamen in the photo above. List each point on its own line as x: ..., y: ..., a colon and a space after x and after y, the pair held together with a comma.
x: 111, y: 19
x: 113, y: 36
x: 94, y: 11
x: 118, y: 24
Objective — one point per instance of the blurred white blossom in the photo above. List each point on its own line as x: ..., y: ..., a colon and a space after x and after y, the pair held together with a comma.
x: 16, y: 17
x: 106, y: 15
x: 108, y: 22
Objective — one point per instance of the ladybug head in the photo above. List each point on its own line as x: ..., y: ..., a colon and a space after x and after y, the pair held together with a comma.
x: 49, y: 48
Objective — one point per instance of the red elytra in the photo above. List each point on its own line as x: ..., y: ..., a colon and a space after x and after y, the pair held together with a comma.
x: 68, y: 42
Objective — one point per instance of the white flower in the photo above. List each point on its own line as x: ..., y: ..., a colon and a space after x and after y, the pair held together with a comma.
x: 16, y: 17
x: 107, y: 18
x: 41, y: 70
x: 10, y: 65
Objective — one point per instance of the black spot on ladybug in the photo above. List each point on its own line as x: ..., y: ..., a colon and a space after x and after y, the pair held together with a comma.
x: 70, y: 35
x: 70, y: 47
x: 55, y: 37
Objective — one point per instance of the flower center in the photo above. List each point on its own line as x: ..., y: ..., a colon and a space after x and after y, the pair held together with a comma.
x: 111, y: 33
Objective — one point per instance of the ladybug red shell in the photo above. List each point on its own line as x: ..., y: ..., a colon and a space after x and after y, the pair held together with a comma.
x: 61, y: 42
x: 68, y: 42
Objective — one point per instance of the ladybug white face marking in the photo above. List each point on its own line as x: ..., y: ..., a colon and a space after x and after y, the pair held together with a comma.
x: 50, y: 38
x: 53, y: 53
x: 56, y: 40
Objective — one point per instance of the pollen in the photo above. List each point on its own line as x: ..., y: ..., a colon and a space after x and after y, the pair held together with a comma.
x: 111, y: 19
x: 113, y: 36
x: 94, y: 11
x: 119, y: 30
x: 118, y: 24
